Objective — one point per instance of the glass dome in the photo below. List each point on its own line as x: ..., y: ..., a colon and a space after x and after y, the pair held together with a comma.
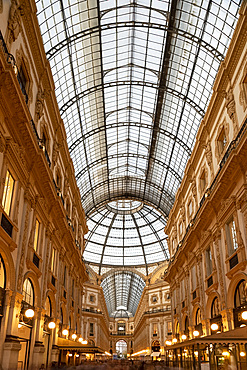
x: 126, y: 233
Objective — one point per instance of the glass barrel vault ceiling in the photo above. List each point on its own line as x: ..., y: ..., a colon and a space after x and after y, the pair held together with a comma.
x: 126, y: 233
x: 129, y: 287
x: 133, y: 79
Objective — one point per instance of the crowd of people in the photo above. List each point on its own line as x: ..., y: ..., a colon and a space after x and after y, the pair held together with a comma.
x: 117, y: 365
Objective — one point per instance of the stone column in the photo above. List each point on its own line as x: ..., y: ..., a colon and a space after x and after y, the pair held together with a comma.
x: 12, y: 346
x: 38, y: 349
x: 227, y: 319
x: 7, y: 301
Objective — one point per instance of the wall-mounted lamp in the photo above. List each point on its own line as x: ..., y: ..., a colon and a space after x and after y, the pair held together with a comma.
x: 168, y: 342
x: 65, y: 332
x: 214, y: 327
x: 184, y: 336
x: 51, y: 325
x: 196, y: 333
x: 174, y: 340
x: 244, y: 315
x: 29, y: 313
x: 74, y: 336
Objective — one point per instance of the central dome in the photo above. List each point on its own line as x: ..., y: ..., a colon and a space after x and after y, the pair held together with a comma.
x: 126, y: 233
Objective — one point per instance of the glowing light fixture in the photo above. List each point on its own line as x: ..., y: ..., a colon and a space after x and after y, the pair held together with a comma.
x: 20, y: 325
x: 214, y: 327
x: 70, y: 355
x: 225, y: 353
x: 74, y: 336
x: 196, y: 333
x: 184, y: 337
x: 242, y: 325
x: 80, y: 339
x: 77, y: 355
x: 29, y: 313
x: 196, y: 353
x: 168, y: 343
x: 244, y: 315
x: 242, y: 354
x: 84, y: 342
x: 65, y: 332
x: 51, y: 325
x: 174, y: 340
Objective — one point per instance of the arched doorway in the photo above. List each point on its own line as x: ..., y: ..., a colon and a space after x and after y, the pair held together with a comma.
x: 121, y: 349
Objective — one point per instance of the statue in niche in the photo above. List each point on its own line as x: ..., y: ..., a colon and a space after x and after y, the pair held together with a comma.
x: 39, y: 106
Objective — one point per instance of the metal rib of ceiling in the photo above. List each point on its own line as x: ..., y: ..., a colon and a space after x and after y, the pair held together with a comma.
x: 133, y: 79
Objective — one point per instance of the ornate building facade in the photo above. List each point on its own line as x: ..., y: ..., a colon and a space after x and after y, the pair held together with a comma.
x: 192, y: 311
x: 207, y: 227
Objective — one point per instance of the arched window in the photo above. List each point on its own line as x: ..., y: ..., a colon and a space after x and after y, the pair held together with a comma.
x: 48, y: 307
x: 2, y: 274
x: 28, y: 292
x: 177, y: 328
x: 239, y: 295
x: 186, y: 324
x: 198, y: 319
x: 61, y: 315
x: 215, y: 308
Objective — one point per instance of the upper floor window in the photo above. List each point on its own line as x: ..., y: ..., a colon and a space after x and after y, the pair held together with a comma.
x: 53, y: 260
x: 231, y: 236
x: 155, y: 328
x: 23, y: 79
x: 64, y: 277
x: 91, y: 329
x: 203, y: 181
x: 240, y: 294
x: 193, y: 278
x: 180, y: 228
x: 198, y: 318
x: 72, y: 288
x: 28, y: 292
x: 2, y: 273
x: 36, y: 235
x: 169, y: 326
x: 222, y: 141
x: 154, y: 299
x: 8, y: 193
x: 91, y: 298
x: 190, y: 208
x: 215, y: 308
x: 209, y: 264
x: 48, y: 307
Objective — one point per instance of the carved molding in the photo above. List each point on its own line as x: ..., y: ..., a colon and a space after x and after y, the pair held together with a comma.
x: 14, y: 22
x: 243, y: 89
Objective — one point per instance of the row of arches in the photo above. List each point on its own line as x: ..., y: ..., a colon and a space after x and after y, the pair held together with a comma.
x: 213, y: 309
